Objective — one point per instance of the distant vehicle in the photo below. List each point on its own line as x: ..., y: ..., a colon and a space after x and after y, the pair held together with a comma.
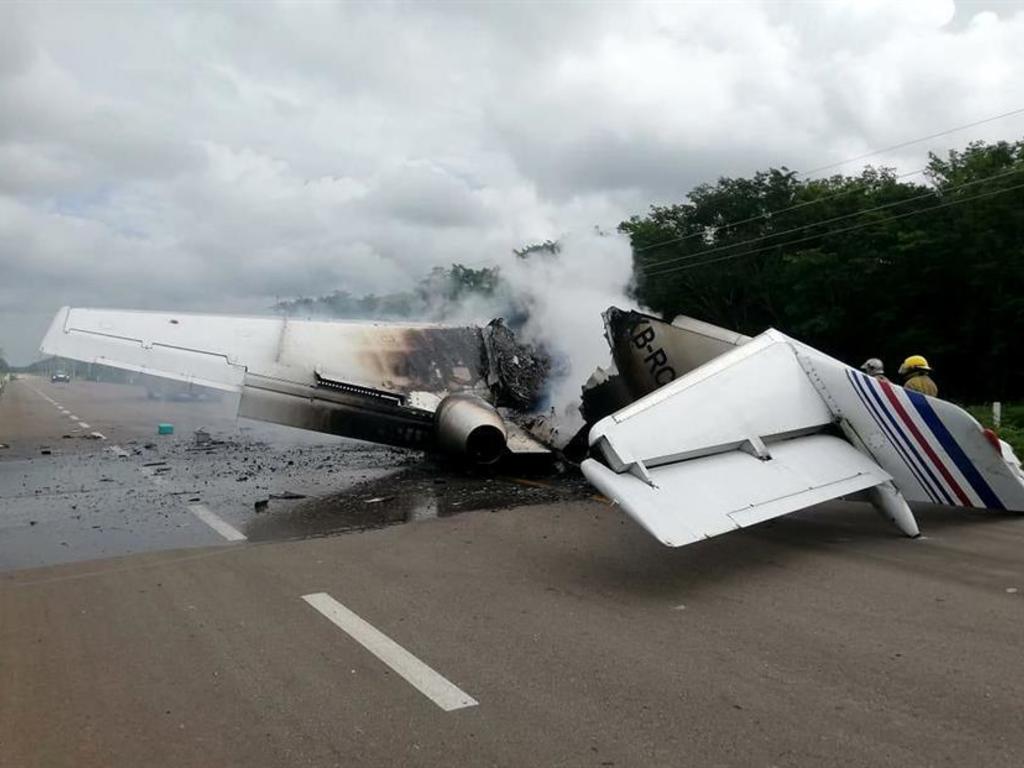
x: 60, y: 376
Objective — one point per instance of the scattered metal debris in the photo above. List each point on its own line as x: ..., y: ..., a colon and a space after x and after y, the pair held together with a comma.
x: 287, y: 496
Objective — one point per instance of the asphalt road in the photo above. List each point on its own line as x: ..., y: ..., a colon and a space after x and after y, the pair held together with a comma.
x: 819, y: 639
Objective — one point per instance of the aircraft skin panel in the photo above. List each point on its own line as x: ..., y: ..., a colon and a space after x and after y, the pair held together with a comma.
x: 935, y: 451
x: 126, y: 340
x: 650, y: 352
x: 219, y: 350
x: 704, y: 497
x: 758, y: 390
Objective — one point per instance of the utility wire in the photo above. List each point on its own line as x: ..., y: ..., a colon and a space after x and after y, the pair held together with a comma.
x: 793, y: 230
x: 851, y: 228
x: 864, y: 156
x: 911, y: 142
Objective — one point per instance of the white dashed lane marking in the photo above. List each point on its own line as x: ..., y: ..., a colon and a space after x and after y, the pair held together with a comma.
x: 201, y: 511
x: 434, y: 686
x: 65, y: 412
x: 222, y: 527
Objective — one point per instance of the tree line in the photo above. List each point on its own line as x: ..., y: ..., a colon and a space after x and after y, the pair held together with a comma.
x: 872, y: 265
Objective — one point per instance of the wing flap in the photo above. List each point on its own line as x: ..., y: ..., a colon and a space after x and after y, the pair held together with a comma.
x: 704, y: 497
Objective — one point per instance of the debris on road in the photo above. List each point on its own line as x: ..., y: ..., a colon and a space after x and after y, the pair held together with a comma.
x: 163, y: 428
x: 287, y: 496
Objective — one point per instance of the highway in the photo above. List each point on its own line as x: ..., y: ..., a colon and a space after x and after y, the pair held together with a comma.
x: 274, y: 598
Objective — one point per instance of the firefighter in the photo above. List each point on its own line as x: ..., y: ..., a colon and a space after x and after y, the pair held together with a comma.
x: 915, y: 372
x: 873, y: 367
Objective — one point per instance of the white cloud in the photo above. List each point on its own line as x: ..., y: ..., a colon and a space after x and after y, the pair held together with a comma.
x: 216, y: 156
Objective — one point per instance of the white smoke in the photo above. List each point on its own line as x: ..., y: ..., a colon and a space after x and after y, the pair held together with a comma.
x: 564, y: 294
x: 558, y: 294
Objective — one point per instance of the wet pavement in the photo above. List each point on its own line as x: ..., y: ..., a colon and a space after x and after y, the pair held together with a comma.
x: 69, y: 498
x: 158, y: 608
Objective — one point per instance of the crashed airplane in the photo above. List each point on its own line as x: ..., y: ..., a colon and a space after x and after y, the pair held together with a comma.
x: 696, y: 431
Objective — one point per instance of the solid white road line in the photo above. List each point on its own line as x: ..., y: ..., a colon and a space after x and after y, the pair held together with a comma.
x: 224, y: 529
x: 445, y: 694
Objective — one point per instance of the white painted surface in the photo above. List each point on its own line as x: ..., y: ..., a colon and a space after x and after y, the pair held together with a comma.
x: 201, y: 511
x: 431, y: 684
x: 756, y: 390
x: 696, y: 499
x: 219, y: 350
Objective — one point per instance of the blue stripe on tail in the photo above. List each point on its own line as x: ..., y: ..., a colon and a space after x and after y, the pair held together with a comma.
x: 956, y: 453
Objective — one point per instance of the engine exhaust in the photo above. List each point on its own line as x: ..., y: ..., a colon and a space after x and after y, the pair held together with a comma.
x: 470, y: 427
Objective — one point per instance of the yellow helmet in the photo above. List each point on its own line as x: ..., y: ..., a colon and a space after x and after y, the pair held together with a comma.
x: 914, y: 362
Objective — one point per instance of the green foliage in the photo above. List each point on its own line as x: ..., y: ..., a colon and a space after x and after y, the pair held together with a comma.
x: 549, y: 247
x: 772, y: 251
x: 435, y: 296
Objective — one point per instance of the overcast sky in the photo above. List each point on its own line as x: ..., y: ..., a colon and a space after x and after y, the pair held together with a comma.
x: 215, y: 157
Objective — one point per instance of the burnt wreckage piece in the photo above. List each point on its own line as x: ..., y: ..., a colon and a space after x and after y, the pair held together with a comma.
x: 517, y: 373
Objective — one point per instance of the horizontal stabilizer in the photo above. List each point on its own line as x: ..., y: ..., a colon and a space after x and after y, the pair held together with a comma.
x: 692, y: 500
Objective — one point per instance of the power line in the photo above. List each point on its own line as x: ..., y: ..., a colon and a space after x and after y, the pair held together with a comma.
x: 884, y: 206
x: 864, y: 156
x: 843, y: 230
x: 911, y: 142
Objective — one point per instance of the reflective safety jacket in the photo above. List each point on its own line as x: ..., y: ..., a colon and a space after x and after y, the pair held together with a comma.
x: 922, y: 382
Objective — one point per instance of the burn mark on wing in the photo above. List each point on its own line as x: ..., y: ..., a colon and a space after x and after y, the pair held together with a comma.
x: 430, y: 359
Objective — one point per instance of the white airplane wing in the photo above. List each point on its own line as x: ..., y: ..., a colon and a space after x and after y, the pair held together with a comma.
x: 739, y: 440
x: 374, y: 381
x: 220, y: 351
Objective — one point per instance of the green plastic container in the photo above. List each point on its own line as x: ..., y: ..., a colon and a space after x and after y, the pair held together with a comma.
x: 165, y: 429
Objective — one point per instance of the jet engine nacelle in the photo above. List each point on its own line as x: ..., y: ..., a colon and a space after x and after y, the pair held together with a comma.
x: 467, y: 426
